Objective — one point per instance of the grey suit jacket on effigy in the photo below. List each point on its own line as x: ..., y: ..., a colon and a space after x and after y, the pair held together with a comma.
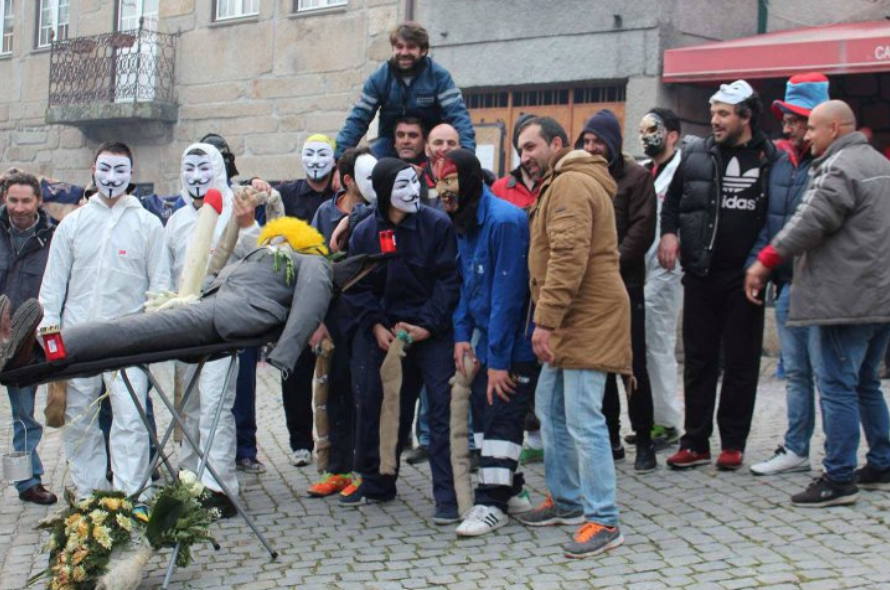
x: 247, y: 299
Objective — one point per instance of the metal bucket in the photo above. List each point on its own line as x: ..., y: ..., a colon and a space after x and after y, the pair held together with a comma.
x: 17, y: 464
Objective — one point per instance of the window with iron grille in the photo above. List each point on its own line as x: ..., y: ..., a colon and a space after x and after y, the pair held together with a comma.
x: 52, y: 22
x: 487, y: 100
x: 307, y: 5
x: 226, y: 9
x: 541, y: 97
x: 7, y: 16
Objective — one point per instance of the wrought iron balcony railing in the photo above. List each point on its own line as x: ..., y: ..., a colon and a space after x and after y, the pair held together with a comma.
x: 93, y: 77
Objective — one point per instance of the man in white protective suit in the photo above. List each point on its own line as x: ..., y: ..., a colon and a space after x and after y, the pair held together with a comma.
x: 105, y: 256
x: 203, y: 168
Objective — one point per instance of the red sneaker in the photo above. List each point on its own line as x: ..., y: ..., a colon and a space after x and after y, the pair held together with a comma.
x: 729, y: 460
x: 687, y: 458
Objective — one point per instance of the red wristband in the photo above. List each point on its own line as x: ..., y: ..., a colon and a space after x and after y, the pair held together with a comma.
x: 769, y: 258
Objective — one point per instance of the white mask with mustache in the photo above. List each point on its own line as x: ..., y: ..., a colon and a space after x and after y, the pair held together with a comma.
x: 197, y: 174
x: 113, y: 174
x: 318, y: 159
x: 406, y: 191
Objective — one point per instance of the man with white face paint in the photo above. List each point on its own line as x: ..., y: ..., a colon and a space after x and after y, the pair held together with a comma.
x: 415, y: 293
x: 104, y: 257
x: 203, y: 168
x: 302, y: 199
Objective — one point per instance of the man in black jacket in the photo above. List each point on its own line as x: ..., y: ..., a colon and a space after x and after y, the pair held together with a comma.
x: 635, y: 220
x: 24, y: 246
x: 712, y: 215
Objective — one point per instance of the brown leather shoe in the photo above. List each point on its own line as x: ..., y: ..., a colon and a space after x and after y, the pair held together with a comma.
x: 38, y: 495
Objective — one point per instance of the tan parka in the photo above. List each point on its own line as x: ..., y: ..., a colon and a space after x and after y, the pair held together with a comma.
x: 576, y: 285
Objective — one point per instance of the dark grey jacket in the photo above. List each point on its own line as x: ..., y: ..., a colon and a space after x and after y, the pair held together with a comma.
x: 841, y: 239
x: 21, y: 273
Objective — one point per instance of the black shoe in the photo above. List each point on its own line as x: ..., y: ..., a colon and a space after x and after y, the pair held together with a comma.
x: 823, y: 492
x: 645, y: 460
x: 419, y: 455
x: 221, y: 502
x: 872, y: 479
x: 475, y: 460
x: 618, y: 452
x: 631, y: 438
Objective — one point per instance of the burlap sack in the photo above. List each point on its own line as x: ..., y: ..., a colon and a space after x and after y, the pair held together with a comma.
x: 460, y: 444
x: 55, y: 403
x: 391, y: 377
x: 320, y: 399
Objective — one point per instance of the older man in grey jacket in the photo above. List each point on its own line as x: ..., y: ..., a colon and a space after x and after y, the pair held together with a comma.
x: 842, y: 286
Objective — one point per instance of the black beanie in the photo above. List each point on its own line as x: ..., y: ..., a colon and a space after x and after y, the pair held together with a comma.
x: 605, y: 126
x: 383, y: 177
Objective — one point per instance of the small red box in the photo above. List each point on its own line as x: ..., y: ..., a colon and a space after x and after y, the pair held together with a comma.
x: 387, y: 241
x: 52, y: 343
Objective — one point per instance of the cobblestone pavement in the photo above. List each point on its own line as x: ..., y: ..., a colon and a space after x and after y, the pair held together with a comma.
x: 699, y: 530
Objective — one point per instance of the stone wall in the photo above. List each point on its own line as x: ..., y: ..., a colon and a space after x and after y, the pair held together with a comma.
x: 264, y: 82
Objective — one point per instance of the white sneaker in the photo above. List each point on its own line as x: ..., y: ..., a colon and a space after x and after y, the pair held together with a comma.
x: 519, y: 503
x: 783, y: 461
x: 301, y: 458
x: 481, y: 520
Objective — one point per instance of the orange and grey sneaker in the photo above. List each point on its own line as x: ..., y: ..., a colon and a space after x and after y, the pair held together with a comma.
x: 547, y: 513
x: 592, y: 539
x: 330, y: 483
x: 354, y: 482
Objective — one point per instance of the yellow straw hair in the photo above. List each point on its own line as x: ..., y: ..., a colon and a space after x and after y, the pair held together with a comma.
x: 301, y: 236
x: 318, y: 137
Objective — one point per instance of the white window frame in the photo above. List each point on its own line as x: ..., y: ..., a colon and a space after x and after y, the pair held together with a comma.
x: 311, y: 5
x: 7, y: 26
x: 237, y: 8
x: 56, y: 26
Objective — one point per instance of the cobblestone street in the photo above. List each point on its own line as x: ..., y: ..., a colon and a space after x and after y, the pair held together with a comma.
x: 698, y: 530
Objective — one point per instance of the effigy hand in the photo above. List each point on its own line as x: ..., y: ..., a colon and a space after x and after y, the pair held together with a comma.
x: 179, y: 301
x: 153, y: 301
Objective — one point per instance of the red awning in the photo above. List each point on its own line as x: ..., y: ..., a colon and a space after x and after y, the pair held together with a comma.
x: 847, y: 48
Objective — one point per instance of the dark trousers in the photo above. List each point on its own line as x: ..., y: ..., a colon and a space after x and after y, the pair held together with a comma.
x: 244, y: 409
x: 428, y: 363
x: 639, y: 405
x: 716, y: 314
x: 296, y: 393
x: 498, y: 429
x: 341, y: 419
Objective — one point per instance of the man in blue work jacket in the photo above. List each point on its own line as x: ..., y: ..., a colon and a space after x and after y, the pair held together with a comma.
x: 416, y: 293
x: 492, y: 242
x: 410, y: 84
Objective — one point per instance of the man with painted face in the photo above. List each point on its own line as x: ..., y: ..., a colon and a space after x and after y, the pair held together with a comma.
x: 712, y: 215
x: 302, y: 199
x: 492, y: 241
x: 204, y: 168
x: 660, y: 136
x: 409, y: 84
x: 415, y: 293
x: 104, y: 257
x: 635, y: 208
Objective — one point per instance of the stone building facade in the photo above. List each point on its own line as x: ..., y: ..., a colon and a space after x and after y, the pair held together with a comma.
x: 267, y: 73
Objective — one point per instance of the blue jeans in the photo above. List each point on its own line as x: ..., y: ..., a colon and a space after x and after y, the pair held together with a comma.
x: 26, y: 431
x: 849, y: 392
x: 578, y: 466
x: 797, y: 346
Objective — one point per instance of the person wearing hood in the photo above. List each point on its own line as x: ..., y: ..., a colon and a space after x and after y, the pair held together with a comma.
x: 26, y: 233
x: 635, y: 220
x: 409, y: 84
x: 492, y: 242
x: 104, y: 257
x: 582, y: 333
x: 712, y: 215
x: 415, y: 294
x: 204, y: 168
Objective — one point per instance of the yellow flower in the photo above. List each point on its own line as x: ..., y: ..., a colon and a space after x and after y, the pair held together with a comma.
x: 98, y: 516
x: 79, y: 574
x: 79, y: 555
x: 71, y: 522
x: 126, y: 505
x: 112, y: 504
x: 50, y: 544
x: 102, y: 536
x: 124, y: 522
x: 82, y: 530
